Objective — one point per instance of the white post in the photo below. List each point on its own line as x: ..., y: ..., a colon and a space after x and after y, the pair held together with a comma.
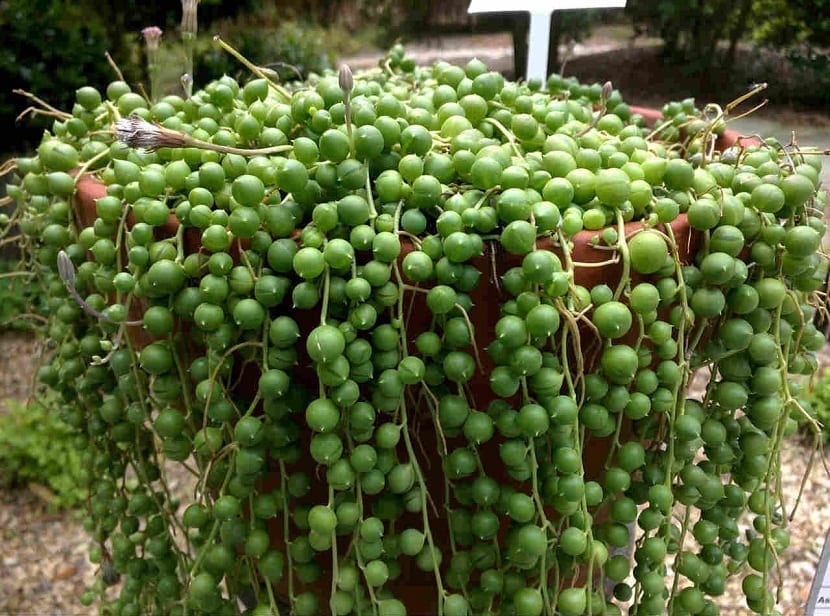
x: 537, y: 46
x: 540, y: 14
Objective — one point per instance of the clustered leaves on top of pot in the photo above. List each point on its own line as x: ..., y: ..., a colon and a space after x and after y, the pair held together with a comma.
x: 298, y: 271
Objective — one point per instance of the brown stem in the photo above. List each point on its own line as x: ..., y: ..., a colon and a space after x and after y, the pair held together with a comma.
x: 114, y: 66
x: 43, y: 104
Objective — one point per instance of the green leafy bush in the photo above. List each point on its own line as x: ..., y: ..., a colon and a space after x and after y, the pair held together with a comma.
x: 800, y: 31
x: 798, y: 75
x: 20, y: 293
x: 38, y: 37
x: 53, y: 47
x: 812, y: 69
x: 720, y: 43
x: 36, y: 446
x: 692, y: 31
x: 784, y: 23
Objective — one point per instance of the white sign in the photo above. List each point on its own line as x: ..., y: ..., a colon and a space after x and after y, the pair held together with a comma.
x: 540, y: 14
x: 819, y: 602
x: 539, y: 6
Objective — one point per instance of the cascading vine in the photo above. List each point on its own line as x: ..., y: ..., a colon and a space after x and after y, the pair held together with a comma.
x: 423, y: 338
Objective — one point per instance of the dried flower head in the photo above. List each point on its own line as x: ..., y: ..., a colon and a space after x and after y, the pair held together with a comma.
x: 152, y: 37
x: 66, y: 270
x: 137, y: 132
x: 346, y: 79
x: 189, y: 22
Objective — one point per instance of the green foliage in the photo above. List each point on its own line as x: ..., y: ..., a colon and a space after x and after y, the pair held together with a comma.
x: 20, y: 292
x: 38, y: 36
x: 785, y: 43
x: 692, y: 30
x: 798, y: 76
x: 294, y: 382
x: 52, y: 47
x: 788, y: 23
x: 291, y: 48
x: 800, y: 29
x: 812, y: 68
x: 36, y: 446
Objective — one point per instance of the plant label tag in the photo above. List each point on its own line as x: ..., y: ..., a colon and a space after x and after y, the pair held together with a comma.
x: 539, y: 35
x: 818, y: 603
x: 540, y: 6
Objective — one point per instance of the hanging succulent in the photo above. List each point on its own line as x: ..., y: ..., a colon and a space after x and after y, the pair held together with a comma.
x: 424, y: 340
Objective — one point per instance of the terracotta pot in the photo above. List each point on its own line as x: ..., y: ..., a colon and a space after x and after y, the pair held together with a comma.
x: 89, y: 190
x: 727, y: 139
x: 417, y: 589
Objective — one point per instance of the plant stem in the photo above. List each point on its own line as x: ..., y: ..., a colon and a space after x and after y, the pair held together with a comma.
x: 282, y: 92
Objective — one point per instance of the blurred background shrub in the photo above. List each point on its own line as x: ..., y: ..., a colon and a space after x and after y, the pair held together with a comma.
x: 37, y: 447
x: 786, y: 42
x: 51, y: 47
x: 23, y: 296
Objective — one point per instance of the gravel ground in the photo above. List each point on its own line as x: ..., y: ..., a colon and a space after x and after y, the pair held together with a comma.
x: 19, y: 357
x: 44, y: 568
x: 808, y: 529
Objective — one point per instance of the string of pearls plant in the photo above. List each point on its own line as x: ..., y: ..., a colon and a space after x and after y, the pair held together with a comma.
x: 357, y: 313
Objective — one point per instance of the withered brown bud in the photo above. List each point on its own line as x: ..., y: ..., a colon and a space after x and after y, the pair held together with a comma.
x: 190, y: 24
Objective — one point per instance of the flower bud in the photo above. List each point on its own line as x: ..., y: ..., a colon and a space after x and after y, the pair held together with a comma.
x: 152, y: 38
x: 607, y: 90
x: 66, y: 270
x: 187, y: 83
x: 346, y: 79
